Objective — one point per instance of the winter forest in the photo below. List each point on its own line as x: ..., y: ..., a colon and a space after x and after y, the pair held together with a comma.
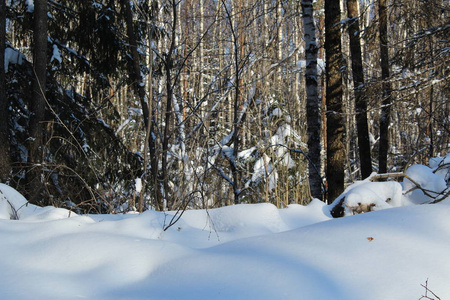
x: 112, y: 106
x: 207, y: 149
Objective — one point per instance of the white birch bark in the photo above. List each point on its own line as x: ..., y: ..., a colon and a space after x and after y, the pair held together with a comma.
x: 312, y: 99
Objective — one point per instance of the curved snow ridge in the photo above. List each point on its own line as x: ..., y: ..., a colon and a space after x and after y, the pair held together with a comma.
x: 387, y: 254
x: 263, y: 218
x: 75, y: 258
x: 11, y: 202
x: 14, y: 206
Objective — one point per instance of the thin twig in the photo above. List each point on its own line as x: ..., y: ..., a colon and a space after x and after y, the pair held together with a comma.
x: 426, y: 292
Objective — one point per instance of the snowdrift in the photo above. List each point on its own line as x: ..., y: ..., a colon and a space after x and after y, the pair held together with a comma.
x: 238, y: 252
x: 421, y: 184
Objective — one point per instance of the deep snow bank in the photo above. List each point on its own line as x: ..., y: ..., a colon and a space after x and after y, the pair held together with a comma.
x: 238, y: 252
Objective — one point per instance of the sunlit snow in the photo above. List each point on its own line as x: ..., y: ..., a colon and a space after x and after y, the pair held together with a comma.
x: 247, y: 251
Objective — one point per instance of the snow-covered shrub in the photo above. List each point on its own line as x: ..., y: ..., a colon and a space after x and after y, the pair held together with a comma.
x: 441, y: 167
x: 366, y: 196
x: 421, y: 184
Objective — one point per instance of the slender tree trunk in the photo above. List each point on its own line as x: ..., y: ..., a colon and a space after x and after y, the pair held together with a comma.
x: 386, y: 101
x: 202, y: 57
x: 279, y: 39
x: 312, y: 99
x: 431, y: 95
x: 148, y: 133
x: 38, y: 100
x: 168, y: 65
x: 138, y: 82
x: 237, y: 46
x: 139, y: 87
x: 5, y: 163
x: 335, y: 118
x: 358, y: 82
x: 239, y: 52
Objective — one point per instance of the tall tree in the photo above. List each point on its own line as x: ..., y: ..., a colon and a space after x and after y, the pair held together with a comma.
x: 135, y: 70
x: 238, y: 43
x: 5, y: 165
x: 38, y: 99
x: 312, y: 99
x: 335, y: 117
x: 358, y: 82
x: 386, y: 100
x: 169, y: 65
x: 235, y: 22
x: 139, y: 87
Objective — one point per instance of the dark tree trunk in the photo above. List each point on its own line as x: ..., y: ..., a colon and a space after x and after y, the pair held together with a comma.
x: 168, y: 66
x: 358, y: 82
x: 386, y: 100
x: 335, y: 117
x: 38, y: 101
x: 138, y: 82
x: 139, y: 87
x: 238, y: 49
x: 5, y: 164
x: 312, y: 100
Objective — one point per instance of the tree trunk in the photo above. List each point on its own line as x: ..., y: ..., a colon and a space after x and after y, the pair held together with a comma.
x: 38, y: 101
x: 335, y: 118
x: 138, y: 82
x: 239, y: 53
x: 386, y: 100
x: 139, y: 87
x: 5, y: 164
x: 168, y: 65
x: 358, y: 82
x: 237, y: 44
x: 312, y: 100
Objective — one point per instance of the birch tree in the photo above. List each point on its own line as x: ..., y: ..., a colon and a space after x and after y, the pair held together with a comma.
x: 312, y: 99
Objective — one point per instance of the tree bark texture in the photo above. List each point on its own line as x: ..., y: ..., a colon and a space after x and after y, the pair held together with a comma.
x: 335, y: 117
x: 38, y: 101
x: 386, y: 100
x: 5, y: 164
x: 312, y: 100
x: 139, y: 87
x: 237, y: 126
x: 138, y: 82
x: 168, y: 65
x: 358, y: 82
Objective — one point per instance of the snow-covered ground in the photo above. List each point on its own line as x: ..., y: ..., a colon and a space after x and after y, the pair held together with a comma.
x: 253, y: 251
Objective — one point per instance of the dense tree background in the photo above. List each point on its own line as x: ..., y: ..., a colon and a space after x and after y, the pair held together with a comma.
x: 170, y: 104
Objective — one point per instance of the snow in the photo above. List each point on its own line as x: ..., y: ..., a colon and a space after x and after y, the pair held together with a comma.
x: 138, y: 184
x: 30, y: 5
x: 424, y: 176
x: 422, y: 184
x: 379, y: 195
x: 56, y: 54
x: 247, y: 251
x: 277, y: 112
x: 301, y: 64
x: 12, y: 56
